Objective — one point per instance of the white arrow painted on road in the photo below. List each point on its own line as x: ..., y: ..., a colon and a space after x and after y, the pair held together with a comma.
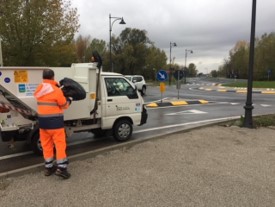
x: 187, y: 112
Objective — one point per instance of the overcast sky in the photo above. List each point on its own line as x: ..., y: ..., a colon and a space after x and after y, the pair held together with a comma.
x: 208, y: 27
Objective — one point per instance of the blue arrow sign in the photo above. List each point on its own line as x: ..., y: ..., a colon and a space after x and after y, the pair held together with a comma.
x: 162, y: 75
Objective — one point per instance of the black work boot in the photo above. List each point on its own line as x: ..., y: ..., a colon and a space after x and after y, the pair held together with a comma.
x: 49, y: 171
x: 62, y: 172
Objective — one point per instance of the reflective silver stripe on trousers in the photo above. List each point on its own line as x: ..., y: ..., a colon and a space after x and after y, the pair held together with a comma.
x: 49, y: 162
x: 62, y: 163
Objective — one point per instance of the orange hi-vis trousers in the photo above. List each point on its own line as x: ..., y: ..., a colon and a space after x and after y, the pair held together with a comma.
x: 51, y: 138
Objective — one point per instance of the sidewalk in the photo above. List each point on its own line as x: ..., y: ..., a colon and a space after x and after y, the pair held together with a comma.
x: 213, y: 166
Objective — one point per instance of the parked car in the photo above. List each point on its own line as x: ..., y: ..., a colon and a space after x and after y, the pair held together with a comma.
x: 139, y: 82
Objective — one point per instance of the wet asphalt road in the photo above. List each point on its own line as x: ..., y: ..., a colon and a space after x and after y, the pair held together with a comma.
x: 160, y: 121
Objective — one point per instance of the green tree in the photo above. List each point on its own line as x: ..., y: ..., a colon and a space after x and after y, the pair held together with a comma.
x: 101, y: 47
x: 264, y: 57
x: 239, y: 60
x: 38, y: 32
x: 129, y: 51
x: 155, y: 60
x: 225, y: 69
x: 237, y: 63
x: 84, y: 48
x: 192, y: 71
x: 81, y: 45
x: 214, y: 73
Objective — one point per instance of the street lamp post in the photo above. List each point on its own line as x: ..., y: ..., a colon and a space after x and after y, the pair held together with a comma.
x: 172, y: 44
x: 1, y: 56
x: 248, y: 106
x: 110, y: 27
x: 186, y: 51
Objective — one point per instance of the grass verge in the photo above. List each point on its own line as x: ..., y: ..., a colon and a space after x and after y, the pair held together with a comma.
x: 258, y: 121
x: 256, y: 84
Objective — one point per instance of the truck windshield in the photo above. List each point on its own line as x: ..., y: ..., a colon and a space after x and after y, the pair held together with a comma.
x: 119, y: 87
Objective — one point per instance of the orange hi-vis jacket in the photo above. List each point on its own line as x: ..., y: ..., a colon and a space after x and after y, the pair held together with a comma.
x: 51, y: 102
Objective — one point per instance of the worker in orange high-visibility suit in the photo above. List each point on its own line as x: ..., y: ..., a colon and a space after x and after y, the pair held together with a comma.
x: 51, y: 102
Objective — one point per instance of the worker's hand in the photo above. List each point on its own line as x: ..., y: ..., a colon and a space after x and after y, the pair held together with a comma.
x: 69, y: 99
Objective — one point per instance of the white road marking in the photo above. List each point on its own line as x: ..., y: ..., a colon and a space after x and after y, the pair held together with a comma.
x: 15, y: 155
x: 186, y: 124
x: 156, y: 101
x: 265, y: 105
x: 193, y: 111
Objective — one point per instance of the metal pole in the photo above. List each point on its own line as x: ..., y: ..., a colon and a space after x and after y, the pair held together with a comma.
x: 249, y: 107
x: 170, y: 70
x: 185, y: 74
x: 185, y: 57
x: 110, y: 43
x: 186, y: 51
x: 178, y: 84
x: 1, y: 56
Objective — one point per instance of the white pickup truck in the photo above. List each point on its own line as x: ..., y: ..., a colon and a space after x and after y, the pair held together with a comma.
x: 112, y: 103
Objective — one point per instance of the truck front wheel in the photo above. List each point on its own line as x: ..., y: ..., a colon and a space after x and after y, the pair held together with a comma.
x: 143, y: 90
x: 122, y: 130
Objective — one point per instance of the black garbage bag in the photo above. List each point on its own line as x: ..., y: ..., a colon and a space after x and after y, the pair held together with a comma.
x: 72, y: 89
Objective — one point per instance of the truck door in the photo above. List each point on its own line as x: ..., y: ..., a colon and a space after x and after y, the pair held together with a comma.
x: 121, y: 100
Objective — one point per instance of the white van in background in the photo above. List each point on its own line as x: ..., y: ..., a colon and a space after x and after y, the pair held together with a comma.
x: 139, y: 82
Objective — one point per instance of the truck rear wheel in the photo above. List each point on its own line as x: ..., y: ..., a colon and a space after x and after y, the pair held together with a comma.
x: 122, y: 130
x: 36, y: 144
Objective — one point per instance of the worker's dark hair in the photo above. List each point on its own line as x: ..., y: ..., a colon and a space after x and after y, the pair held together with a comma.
x: 48, y: 74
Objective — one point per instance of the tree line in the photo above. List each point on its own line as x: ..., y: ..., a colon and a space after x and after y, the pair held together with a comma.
x: 41, y: 33
x: 37, y: 33
x: 236, y: 66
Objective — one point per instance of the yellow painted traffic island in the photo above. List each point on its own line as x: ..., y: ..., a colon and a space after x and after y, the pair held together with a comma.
x: 175, y: 103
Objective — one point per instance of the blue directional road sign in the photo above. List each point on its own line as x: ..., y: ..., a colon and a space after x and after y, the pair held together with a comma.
x: 162, y: 75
